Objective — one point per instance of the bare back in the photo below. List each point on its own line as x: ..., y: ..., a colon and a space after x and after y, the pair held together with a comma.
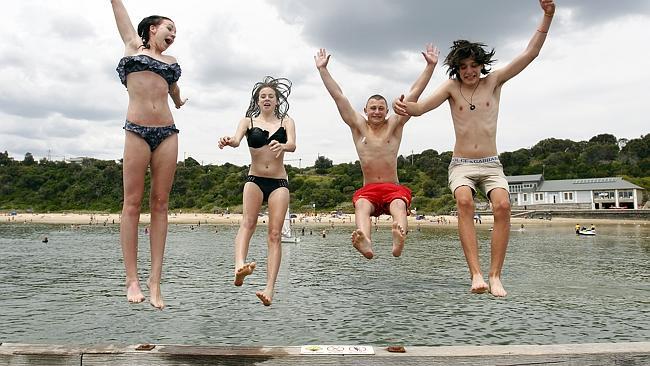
x: 475, y: 129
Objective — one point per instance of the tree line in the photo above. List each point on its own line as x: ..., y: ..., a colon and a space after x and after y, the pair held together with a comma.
x: 96, y: 185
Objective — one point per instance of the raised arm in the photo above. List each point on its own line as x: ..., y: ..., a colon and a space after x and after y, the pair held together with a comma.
x: 431, y: 57
x: 349, y: 115
x: 534, y: 46
x: 409, y: 106
x: 233, y: 141
x: 129, y: 36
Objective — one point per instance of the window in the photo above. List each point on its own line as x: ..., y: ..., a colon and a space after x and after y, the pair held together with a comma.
x: 625, y: 194
x: 539, y: 196
x: 515, y: 188
x: 525, y: 197
x: 568, y: 196
x: 607, y: 195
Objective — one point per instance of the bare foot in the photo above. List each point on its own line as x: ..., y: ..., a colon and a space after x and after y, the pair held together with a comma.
x: 478, y: 285
x: 399, y: 236
x: 134, y: 293
x: 361, y: 242
x: 265, y: 297
x: 243, y: 271
x: 155, y: 296
x: 496, y: 287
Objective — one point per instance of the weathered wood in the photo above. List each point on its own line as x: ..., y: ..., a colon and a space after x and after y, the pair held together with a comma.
x: 629, y: 354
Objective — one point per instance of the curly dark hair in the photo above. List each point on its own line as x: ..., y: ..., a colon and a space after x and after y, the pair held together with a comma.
x: 143, y: 27
x: 462, y: 50
x: 282, y: 89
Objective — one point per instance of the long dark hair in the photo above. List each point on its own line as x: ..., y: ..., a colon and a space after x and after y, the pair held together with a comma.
x: 462, y: 50
x: 143, y: 27
x: 282, y: 89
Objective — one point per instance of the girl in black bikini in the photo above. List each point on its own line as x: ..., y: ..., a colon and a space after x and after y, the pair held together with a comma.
x: 269, y: 133
x: 151, y: 140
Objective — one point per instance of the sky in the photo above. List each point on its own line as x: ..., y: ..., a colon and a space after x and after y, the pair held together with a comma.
x: 61, y: 96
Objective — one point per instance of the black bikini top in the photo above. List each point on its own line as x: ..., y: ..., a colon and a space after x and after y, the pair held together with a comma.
x: 257, y: 137
x: 128, y: 64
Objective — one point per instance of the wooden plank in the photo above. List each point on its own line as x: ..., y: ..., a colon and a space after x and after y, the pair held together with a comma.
x: 629, y: 354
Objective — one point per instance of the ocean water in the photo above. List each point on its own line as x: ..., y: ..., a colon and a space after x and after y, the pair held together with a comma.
x: 562, y: 288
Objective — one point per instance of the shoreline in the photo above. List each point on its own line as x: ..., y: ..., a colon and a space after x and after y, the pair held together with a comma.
x: 301, y: 220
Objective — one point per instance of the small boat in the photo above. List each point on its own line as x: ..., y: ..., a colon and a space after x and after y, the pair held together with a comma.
x: 586, y: 232
x: 287, y: 234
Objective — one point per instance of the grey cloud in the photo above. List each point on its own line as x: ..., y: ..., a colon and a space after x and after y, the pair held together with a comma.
x: 363, y: 31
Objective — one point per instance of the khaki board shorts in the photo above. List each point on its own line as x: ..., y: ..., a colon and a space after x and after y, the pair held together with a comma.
x: 486, y: 173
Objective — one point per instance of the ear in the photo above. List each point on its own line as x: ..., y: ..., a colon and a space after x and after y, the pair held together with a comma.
x: 153, y: 28
x: 365, y: 111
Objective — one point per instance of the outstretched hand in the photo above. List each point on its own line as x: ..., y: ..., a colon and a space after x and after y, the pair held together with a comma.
x: 276, y: 147
x: 431, y: 54
x: 321, y: 58
x: 548, y: 6
x: 224, y: 141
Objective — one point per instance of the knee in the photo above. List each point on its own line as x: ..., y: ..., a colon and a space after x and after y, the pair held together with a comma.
x: 159, y: 203
x: 249, y: 224
x: 465, y: 203
x: 131, y: 207
x: 501, y: 207
x: 274, y: 236
x: 398, y: 204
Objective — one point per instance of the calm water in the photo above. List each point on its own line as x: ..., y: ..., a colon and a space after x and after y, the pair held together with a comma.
x: 562, y: 289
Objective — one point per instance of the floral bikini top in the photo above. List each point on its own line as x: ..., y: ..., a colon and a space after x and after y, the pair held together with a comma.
x: 128, y: 64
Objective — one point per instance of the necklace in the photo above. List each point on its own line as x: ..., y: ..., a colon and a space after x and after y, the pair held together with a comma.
x: 471, y: 105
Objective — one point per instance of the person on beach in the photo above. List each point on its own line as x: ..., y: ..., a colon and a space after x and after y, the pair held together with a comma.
x: 474, y: 104
x: 151, y: 140
x: 377, y: 138
x: 269, y: 133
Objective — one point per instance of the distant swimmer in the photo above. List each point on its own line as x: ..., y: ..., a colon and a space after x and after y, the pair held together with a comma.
x: 45, y: 240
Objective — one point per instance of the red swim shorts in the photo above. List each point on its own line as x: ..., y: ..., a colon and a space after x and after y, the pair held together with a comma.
x: 382, y: 194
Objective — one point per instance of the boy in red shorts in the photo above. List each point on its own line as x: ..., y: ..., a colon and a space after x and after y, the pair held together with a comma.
x: 377, y: 139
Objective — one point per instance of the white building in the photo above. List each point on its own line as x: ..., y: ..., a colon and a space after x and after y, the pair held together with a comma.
x: 533, y: 192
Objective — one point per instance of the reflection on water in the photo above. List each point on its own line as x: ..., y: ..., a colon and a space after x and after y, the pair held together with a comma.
x: 562, y: 288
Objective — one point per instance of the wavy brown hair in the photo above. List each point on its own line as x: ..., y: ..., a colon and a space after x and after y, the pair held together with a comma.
x: 282, y: 89
x: 462, y: 50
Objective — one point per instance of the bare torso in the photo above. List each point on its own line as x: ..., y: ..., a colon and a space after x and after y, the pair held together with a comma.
x: 148, y: 103
x: 377, y: 147
x: 475, y: 129
x: 263, y: 160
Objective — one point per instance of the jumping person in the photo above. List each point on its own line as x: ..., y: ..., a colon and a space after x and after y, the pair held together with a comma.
x: 269, y: 133
x: 474, y: 104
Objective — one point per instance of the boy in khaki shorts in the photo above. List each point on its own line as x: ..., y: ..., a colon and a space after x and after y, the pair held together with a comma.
x: 474, y: 103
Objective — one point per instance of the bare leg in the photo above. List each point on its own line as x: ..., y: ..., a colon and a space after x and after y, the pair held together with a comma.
x: 361, y: 236
x: 467, y: 233
x: 400, y: 225
x: 252, y: 202
x: 278, y: 205
x: 135, y: 163
x: 163, y: 168
x: 501, y: 210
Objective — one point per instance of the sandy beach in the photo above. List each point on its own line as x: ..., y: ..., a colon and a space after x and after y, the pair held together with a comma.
x: 302, y: 220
